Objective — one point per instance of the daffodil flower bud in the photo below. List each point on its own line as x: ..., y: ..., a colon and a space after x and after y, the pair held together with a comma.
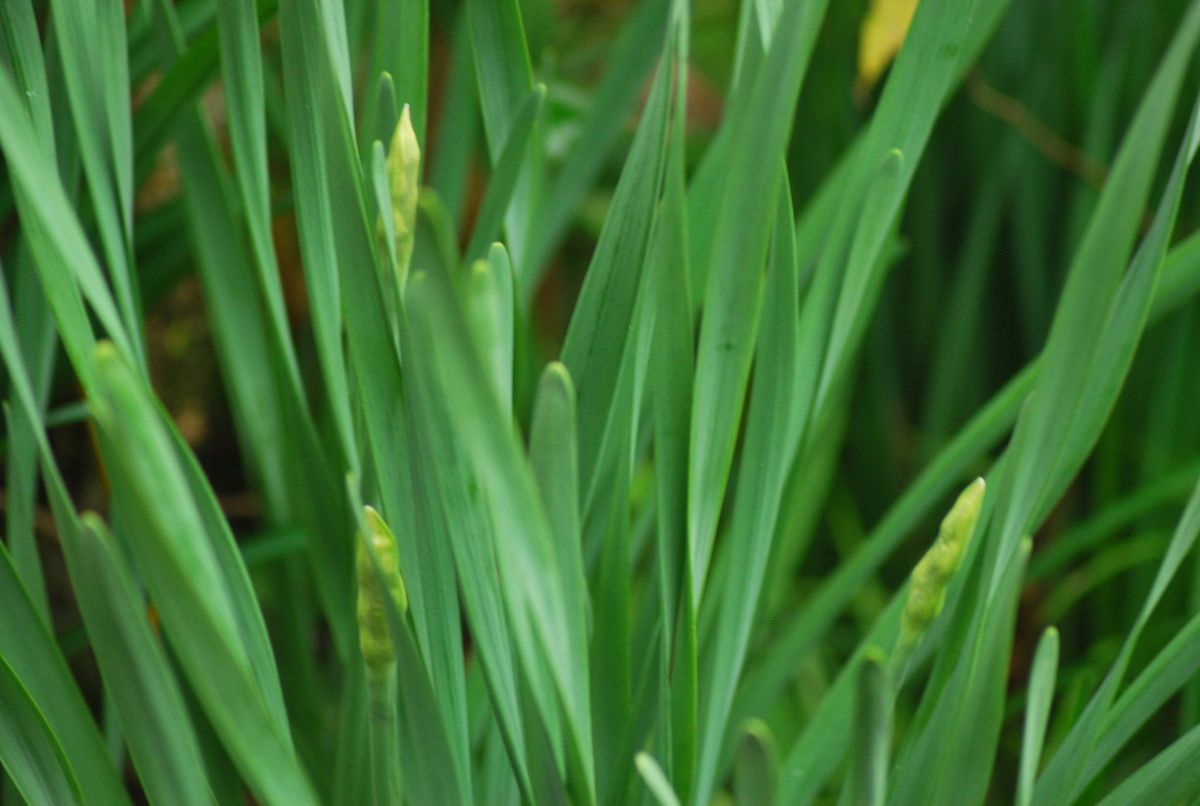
x: 374, y: 636
x: 931, y: 577
x: 404, y: 181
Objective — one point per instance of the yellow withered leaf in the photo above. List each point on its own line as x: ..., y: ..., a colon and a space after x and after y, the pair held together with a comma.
x: 879, y: 40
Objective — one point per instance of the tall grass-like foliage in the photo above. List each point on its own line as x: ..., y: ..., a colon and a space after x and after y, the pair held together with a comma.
x: 599, y: 381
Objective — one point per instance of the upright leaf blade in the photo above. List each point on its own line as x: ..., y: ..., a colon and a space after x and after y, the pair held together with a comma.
x: 186, y: 555
x: 1037, y: 712
x: 29, y: 750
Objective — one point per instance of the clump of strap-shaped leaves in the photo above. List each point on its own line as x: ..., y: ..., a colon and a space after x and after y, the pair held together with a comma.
x: 553, y: 581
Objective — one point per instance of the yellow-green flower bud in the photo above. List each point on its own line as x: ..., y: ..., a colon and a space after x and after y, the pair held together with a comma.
x: 404, y: 181
x: 373, y: 634
x: 931, y: 577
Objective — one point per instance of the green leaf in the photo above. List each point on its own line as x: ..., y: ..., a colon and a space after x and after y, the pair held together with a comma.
x: 824, y: 741
x: 450, y: 501
x: 242, y: 82
x: 280, y: 443
x: 21, y: 53
x: 670, y: 376
x: 1037, y: 712
x: 22, y: 446
x: 607, y: 351
x: 309, y: 98
x: 629, y: 60
x: 554, y: 461
x: 603, y: 321
x: 1173, y: 776
x: 186, y: 555
x: 502, y: 64
x: 401, y: 49
x: 491, y: 311
x: 733, y: 296
x: 137, y: 676
x: 1169, y: 671
x: 755, y: 775
x: 544, y: 626
x: 1044, y: 450
x: 950, y: 755
x: 656, y: 781
x: 32, y: 657
x: 29, y: 650
x: 29, y: 750
x: 96, y: 73
x: 505, y: 174
x: 505, y: 79
x: 64, y: 259
x: 1124, y: 325
x: 772, y: 434
x: 1062, y: 777
x: 866, y: 780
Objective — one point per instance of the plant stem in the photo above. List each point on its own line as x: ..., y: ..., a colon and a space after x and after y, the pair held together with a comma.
x: 383, y: 731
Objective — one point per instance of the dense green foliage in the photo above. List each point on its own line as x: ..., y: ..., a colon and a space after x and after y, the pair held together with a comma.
x: 597, y: 376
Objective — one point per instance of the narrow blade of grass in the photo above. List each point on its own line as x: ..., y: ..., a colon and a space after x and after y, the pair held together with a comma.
x: 602, y: 326
x: 1061, y: 778
x: 1037, y: 713
x: 866, y: 780
x: 257, y: 358
x: 506, y: 173
x: 733, y: 295
x: 97, y: 83
x: 669, y: 386
x: 771, y: 437
x: 242, y: 81
x: 505, y: 78
x: 1173, y: 776
x: 61, y: 252
x: 307, y: 92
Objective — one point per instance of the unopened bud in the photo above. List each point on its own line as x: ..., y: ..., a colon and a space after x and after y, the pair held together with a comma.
x: 931, y: 577
x: 373, y: 633
x: 404, y: 181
